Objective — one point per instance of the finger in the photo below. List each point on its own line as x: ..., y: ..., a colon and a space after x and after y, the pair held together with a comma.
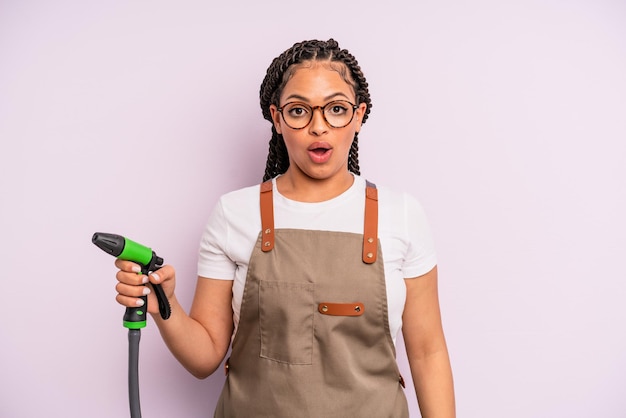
x: 128, y: 301
x: 134, y: 302
x: 128, y: 266
x: 132, y: 279
x: 132, y: 291
x: 165, y: 273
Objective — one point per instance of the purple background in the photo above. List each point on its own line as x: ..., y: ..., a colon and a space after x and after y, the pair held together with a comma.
x: 507, y: 119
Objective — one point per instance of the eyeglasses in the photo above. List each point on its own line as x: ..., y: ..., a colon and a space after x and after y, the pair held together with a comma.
x: 337, y: 114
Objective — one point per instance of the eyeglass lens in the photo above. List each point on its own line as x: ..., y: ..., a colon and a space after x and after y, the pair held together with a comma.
x: 337, y: 114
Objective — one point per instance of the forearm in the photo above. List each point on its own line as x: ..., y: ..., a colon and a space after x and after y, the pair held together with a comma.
x: 426, y: 348
x: 434, y: 387
x: 190, y: 342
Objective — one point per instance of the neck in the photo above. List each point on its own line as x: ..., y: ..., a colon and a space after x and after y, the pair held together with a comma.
x: 309, y: 189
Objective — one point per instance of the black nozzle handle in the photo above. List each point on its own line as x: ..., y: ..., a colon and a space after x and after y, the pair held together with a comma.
x: 164, y: 304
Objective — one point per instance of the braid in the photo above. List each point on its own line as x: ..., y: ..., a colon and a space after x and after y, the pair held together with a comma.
x: 278, y: 74
x: 353, y: 159
x: 277, y: 157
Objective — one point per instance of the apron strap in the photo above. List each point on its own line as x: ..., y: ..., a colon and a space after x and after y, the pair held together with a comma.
x: 370, y: 230
x: 267, y: 216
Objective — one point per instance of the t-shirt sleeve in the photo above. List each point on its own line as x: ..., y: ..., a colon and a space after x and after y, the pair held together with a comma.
x: 213, y: 261
x: 421, y: 256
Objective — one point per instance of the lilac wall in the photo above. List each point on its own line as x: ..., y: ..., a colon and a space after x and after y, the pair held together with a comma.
x: 507, y: 120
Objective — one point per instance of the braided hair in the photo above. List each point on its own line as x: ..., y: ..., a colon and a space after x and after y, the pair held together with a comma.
x: 278, y: 74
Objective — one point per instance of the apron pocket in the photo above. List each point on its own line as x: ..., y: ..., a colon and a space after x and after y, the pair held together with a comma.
x: 286, y: 312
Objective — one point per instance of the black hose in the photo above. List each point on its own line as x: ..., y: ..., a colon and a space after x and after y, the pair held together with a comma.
x: 134, y: 335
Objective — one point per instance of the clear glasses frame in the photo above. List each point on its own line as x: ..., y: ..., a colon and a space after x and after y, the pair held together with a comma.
x: 311, y: 109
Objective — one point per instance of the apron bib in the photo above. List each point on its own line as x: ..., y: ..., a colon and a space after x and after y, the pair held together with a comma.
x: 313, y: 338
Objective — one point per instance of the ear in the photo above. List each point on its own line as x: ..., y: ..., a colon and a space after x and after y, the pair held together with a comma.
x: 276, y: 118
x: 358, y: 115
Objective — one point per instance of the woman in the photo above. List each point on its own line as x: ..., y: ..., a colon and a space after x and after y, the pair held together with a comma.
x: 312, y: 274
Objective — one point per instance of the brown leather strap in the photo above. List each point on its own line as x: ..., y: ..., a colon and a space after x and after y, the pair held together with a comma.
x: 370, y: 230
x: 267, y: 216
x: 341, y: 309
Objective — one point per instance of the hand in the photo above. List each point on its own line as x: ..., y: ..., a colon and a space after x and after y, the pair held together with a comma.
x: 130, y: 285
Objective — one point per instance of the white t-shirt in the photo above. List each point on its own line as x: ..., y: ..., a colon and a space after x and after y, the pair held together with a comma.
x: 234, y: 225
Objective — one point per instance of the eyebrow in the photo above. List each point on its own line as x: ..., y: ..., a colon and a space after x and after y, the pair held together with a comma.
x: 304, y: 99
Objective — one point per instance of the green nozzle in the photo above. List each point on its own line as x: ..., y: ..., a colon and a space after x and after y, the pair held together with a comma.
x: 123, y: 248
x: 136, y: 252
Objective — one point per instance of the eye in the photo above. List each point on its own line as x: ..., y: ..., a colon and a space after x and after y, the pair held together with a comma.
x: 297, y: 110
x: 337, y: 108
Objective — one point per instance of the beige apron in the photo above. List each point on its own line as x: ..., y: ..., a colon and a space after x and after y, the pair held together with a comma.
x: 313, y: 339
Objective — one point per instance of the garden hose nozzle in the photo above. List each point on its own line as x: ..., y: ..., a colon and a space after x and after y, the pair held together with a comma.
x: 126, y: 249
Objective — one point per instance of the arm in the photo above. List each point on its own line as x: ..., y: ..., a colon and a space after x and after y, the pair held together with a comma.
x: 426, y: 347
x: 200, y: 340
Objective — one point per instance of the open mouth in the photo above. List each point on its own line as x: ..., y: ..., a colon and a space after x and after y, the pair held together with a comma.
x: 320, y: 152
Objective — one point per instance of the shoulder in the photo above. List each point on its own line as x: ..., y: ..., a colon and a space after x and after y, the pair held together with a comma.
x: 397, y: 202
x: 240, y: 201
x: 243, y: 195
x: 238, y: 207
x: 401, y: 215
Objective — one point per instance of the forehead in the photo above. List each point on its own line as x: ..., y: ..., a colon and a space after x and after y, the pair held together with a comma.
x: 316, y: 79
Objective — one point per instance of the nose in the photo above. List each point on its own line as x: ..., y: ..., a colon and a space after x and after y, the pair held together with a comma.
x: 318, y: 124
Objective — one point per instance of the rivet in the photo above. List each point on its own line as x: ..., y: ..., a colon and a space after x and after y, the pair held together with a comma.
x: 267, y: 231
x: 357, y: 308
x: 267, y: 244
x: 370, y: 255
x: 370, y: 240
x: 324, y: 308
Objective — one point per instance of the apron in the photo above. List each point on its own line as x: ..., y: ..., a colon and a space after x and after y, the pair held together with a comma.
x: 313, y: 338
